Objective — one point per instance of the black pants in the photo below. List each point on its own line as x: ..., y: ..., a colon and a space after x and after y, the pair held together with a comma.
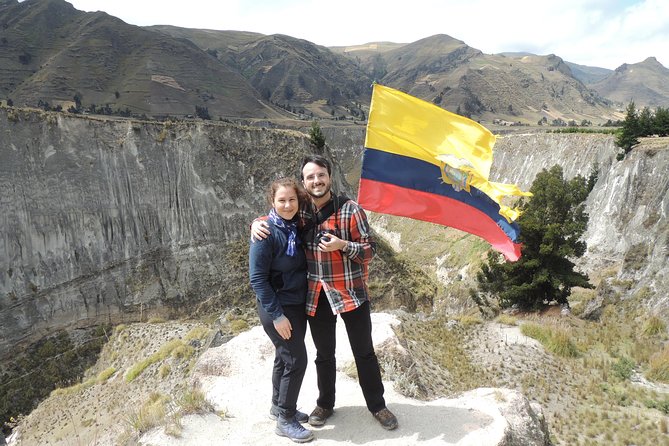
x: 359, y: 329
x: 290, y: 360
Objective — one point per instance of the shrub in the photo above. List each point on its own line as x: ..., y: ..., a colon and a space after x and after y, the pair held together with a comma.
x: 654, y: 326
x: 151, y: 414
x: 659, y: 366
x: 623, y: 368
x: 194, y: 401
x: 316, y: 135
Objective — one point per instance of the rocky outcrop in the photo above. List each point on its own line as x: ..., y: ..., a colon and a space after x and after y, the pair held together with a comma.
x: 234, y: 377
x: 105, y: 221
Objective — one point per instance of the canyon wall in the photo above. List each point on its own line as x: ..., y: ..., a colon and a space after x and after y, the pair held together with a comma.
x: 106, y: 221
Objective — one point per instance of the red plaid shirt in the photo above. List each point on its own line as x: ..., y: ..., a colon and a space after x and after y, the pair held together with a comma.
x: 343, y: 275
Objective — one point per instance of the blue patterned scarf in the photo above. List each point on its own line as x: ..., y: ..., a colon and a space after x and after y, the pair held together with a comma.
x: 287, y: 227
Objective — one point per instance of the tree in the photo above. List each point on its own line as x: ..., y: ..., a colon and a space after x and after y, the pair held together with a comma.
x: 202, y: 112
x: 316, y: 135
x: 628, y: 134
x: 77, y: 101
x: 660, y: 123
x: 646, y: 122
x: 551, y: 226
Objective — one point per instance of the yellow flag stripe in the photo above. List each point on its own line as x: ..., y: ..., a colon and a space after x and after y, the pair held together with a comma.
x: 404, y: 125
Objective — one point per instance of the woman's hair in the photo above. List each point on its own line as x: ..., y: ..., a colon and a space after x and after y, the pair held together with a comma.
x: 302, y: 196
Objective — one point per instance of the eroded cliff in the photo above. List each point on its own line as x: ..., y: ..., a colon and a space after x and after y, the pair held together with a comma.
x: 105, y: 221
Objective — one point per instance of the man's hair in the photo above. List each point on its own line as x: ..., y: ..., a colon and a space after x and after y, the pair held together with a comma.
x: 318, y: 160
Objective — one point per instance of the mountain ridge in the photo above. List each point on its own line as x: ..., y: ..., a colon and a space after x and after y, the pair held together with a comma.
x: 53, y: 53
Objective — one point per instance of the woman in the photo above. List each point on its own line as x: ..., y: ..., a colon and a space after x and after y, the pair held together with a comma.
x: 278, y: 273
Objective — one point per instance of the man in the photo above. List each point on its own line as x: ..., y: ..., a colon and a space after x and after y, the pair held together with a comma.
x: 339, y: 248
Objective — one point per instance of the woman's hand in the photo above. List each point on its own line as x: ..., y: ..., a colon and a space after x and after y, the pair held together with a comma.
x: 283, y: 327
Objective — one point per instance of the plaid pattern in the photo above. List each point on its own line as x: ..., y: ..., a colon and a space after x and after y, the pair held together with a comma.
x: 342, y: 275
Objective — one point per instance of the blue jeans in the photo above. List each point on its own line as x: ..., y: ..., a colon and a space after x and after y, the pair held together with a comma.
x: 359, y: 329
x: 290, y: 359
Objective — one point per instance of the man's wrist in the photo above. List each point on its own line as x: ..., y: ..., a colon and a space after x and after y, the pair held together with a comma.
x: 345, y: 247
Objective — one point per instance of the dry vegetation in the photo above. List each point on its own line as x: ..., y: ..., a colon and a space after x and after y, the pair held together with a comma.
x: 586, y: 375
x: 141, y: 380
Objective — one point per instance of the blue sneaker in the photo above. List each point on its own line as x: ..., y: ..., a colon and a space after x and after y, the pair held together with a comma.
x: 301, y: 417
x: 293, y: 430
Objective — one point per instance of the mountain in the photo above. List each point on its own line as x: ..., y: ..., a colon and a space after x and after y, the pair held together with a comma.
x: 287, y: 71
x: 462, y: 79
x: 54, y: 55
x: 646, y: 83
x: 588, y: 75
x: 52, y: 52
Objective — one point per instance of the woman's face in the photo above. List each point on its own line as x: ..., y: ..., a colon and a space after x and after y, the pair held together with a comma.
x: 285, y: 202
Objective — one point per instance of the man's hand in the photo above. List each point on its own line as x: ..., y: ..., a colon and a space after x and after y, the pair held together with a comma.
x: 259, y: 230
x: 335, y: 244
x: 283, y: 327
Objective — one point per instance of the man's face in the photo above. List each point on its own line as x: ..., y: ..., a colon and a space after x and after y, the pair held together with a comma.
x: 316, y: 180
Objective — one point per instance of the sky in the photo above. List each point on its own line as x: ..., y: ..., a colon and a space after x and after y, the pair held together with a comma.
x: 599, y: 33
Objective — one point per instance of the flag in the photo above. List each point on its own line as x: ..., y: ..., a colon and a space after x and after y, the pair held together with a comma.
x: 426, y: 163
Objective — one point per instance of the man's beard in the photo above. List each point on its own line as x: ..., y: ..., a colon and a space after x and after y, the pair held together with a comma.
x: 320, y: 195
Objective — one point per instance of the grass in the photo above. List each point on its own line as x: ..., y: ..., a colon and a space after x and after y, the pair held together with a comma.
x: 193, y: 401
x: 161, y: 410
x: 554, y: 339
x: 104, y: 375
x: 175, y: 348
x: 199, y: 332
x: 507, y: 319
x: 659, y: 366
x: 76, y: 388
x: 238, y: 325
x: 434, y: 349
x: 151, y: 414
x: 654, y: 326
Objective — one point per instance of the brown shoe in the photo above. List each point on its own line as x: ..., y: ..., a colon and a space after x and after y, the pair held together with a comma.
x: 386, y: 418
x: 319, y: 415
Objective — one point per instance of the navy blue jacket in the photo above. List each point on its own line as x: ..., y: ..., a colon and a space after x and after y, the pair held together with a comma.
x: 277, y: 278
